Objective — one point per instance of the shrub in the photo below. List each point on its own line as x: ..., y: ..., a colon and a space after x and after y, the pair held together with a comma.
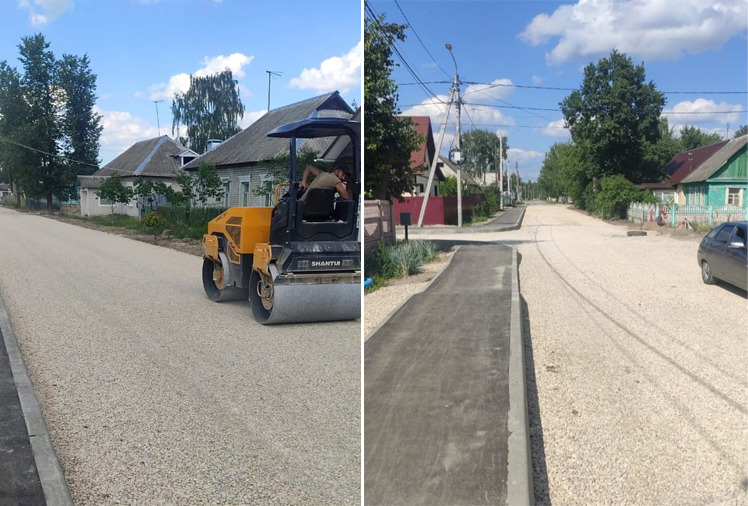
x: 154, y: 220
x: 402, y: 258
x: 615, y: 195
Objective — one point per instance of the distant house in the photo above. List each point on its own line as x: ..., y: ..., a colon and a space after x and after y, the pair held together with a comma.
x: 722, y: 179
x: 678, y: 168
x: 421, y: 158
x: 5, y: 190
x: 450, y: 170
x: 242, y: 160
x: 157, y: 159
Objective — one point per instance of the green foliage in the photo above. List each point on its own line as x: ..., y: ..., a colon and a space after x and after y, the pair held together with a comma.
x: 114, y: 191
x: 658, y: 154
x: 210, y: 109
x: 612, y: 117
x: 448, y: 187
x: 201, y: 187
x: 403, y: 258
x: 152, y: 192
x: 743, y: 130
x: 49, y: 107
x: 388, y: 140
x: 615, y: 195
x: 479, y: 149
x: 692, y: 137
x: 279, y: 168
x: 154, y: 220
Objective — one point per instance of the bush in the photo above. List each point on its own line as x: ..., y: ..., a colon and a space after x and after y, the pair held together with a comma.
x: 154, y: 220
x: 401, y: 259
x: 449, y: 187
x: 615, y: 195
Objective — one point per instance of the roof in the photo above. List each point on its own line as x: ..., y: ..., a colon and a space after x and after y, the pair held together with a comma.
x: 418, y: 159
x: 252, y: 144
x: 716, y: 161
x: 339, y: 145
x: 449, y: 169
x: 684, y: 163
x: 153, y: 157
x: 91, y: 181
x: 656, y: 186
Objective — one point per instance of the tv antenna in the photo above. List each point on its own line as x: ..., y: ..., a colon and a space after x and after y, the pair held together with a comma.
x: 271, y: 74
x: 158, y: 123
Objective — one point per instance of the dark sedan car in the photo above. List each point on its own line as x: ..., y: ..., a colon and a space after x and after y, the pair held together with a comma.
x: 722, y: 254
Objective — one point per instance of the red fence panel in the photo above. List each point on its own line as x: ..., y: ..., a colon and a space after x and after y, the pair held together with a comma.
x: 434, y: 210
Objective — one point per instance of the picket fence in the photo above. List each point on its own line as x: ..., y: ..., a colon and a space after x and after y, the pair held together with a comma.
x: 674, y: 215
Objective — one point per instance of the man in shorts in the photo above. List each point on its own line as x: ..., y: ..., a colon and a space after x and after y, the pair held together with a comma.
x: 336, y: 179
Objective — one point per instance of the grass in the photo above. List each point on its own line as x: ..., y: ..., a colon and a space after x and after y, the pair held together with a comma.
x: 397, y: 260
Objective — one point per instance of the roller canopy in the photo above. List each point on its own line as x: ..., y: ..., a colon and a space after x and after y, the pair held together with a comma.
x: 310, y: 128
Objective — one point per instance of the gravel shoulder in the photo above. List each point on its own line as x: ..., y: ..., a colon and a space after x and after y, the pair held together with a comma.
x: 380, y: 303
x: 638, y: 368
x: 155, y: 395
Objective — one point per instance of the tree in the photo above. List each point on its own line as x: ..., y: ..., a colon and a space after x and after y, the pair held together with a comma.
x: 80, y: 124
x: 448, y: 188
x: 13, y: 114
x: 615, y: 195
x: 278, y: 168
x: 152, y: 192
x: 114, y: 192
x: 201, y: 187
x: 743, y: 130
x: 657, y: 154
x: 612, y: 117
x: 479, y: 148
x: 388, y: 140
x: 210, y: 109
x: 692, y: 137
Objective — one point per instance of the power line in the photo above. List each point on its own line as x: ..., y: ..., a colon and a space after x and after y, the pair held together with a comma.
x: 554, y: 88
x: 11, y: 141
x: 412, y: 28
x: 496, y: 106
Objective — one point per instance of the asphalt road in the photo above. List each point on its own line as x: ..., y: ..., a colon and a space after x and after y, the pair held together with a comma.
x: 637, y: 376
x: 155, y: 395
x: 437, y: 389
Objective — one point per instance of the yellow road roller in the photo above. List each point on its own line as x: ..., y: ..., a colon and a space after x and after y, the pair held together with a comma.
x: 299, y: 261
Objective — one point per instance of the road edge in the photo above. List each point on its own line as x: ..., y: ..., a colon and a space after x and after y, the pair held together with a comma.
x: 54, y: 485
x: 402, y: 303
x: 482, y: 229
x: 519, y: 486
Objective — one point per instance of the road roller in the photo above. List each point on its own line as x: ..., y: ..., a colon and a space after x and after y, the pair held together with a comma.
x: 299, y: 261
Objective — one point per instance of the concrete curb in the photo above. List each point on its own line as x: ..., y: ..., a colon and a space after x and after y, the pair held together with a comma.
x: 54, y: 485
x: 386, y: 318
x: 468, y: 230
x: 519, y: 486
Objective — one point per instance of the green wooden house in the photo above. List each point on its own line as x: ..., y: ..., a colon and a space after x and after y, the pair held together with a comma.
x: 722, y: 179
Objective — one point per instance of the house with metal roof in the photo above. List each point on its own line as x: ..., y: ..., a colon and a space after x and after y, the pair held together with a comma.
x: 242, y: 161
x: 157, y: 159
x: 722, y: 179
x: 421, y: 159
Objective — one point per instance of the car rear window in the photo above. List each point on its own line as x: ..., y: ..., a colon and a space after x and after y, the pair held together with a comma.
x: 724, y: 233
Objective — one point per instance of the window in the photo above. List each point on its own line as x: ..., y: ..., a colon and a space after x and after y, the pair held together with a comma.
x: 734, y: 197
x: 245, y: 194
x: 226, y: 190
x: 740, y: 235
x: 104, y: 202
x: 420, y: 189
x: 724, y: 234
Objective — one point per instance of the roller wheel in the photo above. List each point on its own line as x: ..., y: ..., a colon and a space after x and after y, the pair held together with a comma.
x: 259, y: 299
x: 214, y: 283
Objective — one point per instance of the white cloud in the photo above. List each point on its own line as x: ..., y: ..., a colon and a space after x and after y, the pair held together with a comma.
x: 480, y: 114
x: 498, y: 89
x: 702, y: 110
x: 649, y: 29
x: 529, y: 162
x: 251, y: 117
x: 180, y: 83
x: 121, y: 130
x: 430, y: 65
x: 340, y: 73
x: 42, y: 12
x: 557, y: 129
x: 536, y: 80
x: 139, y: 94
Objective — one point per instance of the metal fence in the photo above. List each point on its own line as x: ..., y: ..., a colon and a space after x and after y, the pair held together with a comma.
x: 379, y: 223
x: 674, y: 215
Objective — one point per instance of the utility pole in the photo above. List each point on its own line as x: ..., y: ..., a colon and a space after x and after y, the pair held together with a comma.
x: 435, y: 160
x: 271, y: 74
x: 727, y: 134
x: 516, y: 169
x: 457, y: 155
x: 158, y: 123
x: 500, y: 175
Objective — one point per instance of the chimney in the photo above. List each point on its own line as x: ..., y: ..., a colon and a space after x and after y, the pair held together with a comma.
x: 212, y: 144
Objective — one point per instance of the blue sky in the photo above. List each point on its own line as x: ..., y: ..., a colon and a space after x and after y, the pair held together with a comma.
x: 144, y: 50
x: 686, y: 45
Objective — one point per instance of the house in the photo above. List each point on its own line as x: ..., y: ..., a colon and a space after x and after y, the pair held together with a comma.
x: 157, y: 159
x: 450, y: 170
x: 5, y: 190
x: 421, y: 158
x: 678, y: 168
x: 242, y: 161
x: 722, y: 179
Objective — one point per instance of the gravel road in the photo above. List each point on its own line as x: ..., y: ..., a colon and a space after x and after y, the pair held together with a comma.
x: 155, y: 395
x: 637, y: 370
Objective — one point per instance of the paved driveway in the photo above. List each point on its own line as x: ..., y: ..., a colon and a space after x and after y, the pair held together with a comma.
x: 153, y: 394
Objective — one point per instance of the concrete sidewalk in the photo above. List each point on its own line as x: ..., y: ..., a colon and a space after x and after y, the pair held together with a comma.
x: 19, y: 479
x: 441, y: 380
x: 510, y: 219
